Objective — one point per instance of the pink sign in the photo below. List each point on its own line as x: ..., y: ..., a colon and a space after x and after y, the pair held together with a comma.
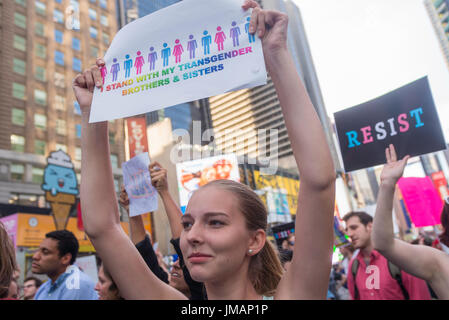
x: 422, y: 200
x: 10, y: 223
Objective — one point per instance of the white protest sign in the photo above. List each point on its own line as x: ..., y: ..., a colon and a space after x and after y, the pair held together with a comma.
x: 136, y: 177
x: 191, y: 50
x: 88, y: 265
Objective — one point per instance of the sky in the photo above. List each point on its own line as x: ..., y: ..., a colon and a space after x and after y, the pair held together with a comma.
x: 365, y: 48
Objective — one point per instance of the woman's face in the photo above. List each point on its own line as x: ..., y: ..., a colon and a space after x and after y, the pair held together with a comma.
x: 215, y: 240
x: 103, y: 287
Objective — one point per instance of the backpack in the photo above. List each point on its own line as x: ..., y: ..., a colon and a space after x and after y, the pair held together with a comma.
x: 395, y: 273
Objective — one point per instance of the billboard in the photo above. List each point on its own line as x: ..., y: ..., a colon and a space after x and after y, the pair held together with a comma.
x: 280, y: 195
x: 137, y: 136
x: 193, y: 174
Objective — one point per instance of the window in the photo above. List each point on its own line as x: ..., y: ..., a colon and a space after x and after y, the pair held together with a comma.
x: 94, y: 52
x: 37, y: 175
x: 18, y: 91
x: 78, y: 130
x: 41, y: 8
x: 103, y: 4
x: 20, y: 20
x: 18, y: 117
x: 59, y: 57
x: 39, y: 29
x: 40, y: 97
x: 40, y: 74
x: 17, y: 172
x: 17, y: 143
x: 76, y: 64
x: 114, y: 161
x: 59, y: 36
x: 76, y: 44
x: 93, y: 1
x: 106, y: 38
x: 61, y: 127
x: 77, y: 108
x: 111, y: 138
x: 93, y: 32
x: 40, y: 121
x: 40, y: 147
x: 59, y: 103
x: 20, y: 43
x: 22, y: 2
x: 78, y: 154
x: 59, y: 80
x: 58, y: 16
x: 19, y: 66
x: 104, y: 20
x: 58, y: 1
x: 41, y: 51
x: 92, y: 14
x: 62, y: 147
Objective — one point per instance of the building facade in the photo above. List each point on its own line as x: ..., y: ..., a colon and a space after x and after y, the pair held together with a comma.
x: 439, y: 15
x: 44, y: 44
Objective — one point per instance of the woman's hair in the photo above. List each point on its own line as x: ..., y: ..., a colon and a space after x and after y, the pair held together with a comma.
x: 113, y: 286
x: 266, y: 268
x: 7, y: 261
x: 444, y: 237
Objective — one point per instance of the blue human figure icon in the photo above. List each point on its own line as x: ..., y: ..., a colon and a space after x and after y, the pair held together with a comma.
x: 234, y: 34
x: 166, y: 52
x: 115, y: 68
x: 128, y: 66
x: 252, y: 37
x: 206, y: 42
x: 191, y: 46
x: 152, y: 57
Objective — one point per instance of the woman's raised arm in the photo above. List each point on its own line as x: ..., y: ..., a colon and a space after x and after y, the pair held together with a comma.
x: 308, y: 275
x: 99, y: 204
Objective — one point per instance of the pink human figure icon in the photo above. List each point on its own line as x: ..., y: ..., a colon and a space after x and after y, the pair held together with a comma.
x: 220, y: 38
x: 104, y: 72
x: 139, y: 63
x: 177, y: 51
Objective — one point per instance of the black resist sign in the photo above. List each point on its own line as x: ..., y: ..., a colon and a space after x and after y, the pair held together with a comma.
x: 405, y: 117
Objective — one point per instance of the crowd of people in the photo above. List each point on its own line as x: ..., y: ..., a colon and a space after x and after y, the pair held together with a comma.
x: 221, y: 240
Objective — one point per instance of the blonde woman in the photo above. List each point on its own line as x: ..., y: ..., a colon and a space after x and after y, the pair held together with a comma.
x: 223, y: 240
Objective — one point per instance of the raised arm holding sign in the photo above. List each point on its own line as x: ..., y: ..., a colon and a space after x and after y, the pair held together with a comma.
x: 224, y: 228
x: 421, y: 261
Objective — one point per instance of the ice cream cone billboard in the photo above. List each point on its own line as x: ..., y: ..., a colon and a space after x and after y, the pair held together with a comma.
x: 60, y: 186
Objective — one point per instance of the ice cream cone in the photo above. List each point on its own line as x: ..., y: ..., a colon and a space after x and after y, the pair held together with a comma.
x: 60, y: 204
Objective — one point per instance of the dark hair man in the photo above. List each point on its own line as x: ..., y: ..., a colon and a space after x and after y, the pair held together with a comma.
x: 375, y: 277
x: 55, y: 258
x: 30, y: 286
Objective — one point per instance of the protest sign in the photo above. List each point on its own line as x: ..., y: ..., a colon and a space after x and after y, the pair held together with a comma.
x: 191, y: 50
x: 405, y: 117
x: 422, y: 201
x: 194, y: 174
x: 136, y: 177
x: 88, y: 264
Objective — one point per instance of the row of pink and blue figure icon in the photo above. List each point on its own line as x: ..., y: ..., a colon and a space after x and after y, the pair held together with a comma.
x: 178, y: 50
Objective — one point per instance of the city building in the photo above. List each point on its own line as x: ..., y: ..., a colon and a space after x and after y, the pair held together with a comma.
x: 238, y: 117
x: 439, y: 15
x: 44, y: 44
